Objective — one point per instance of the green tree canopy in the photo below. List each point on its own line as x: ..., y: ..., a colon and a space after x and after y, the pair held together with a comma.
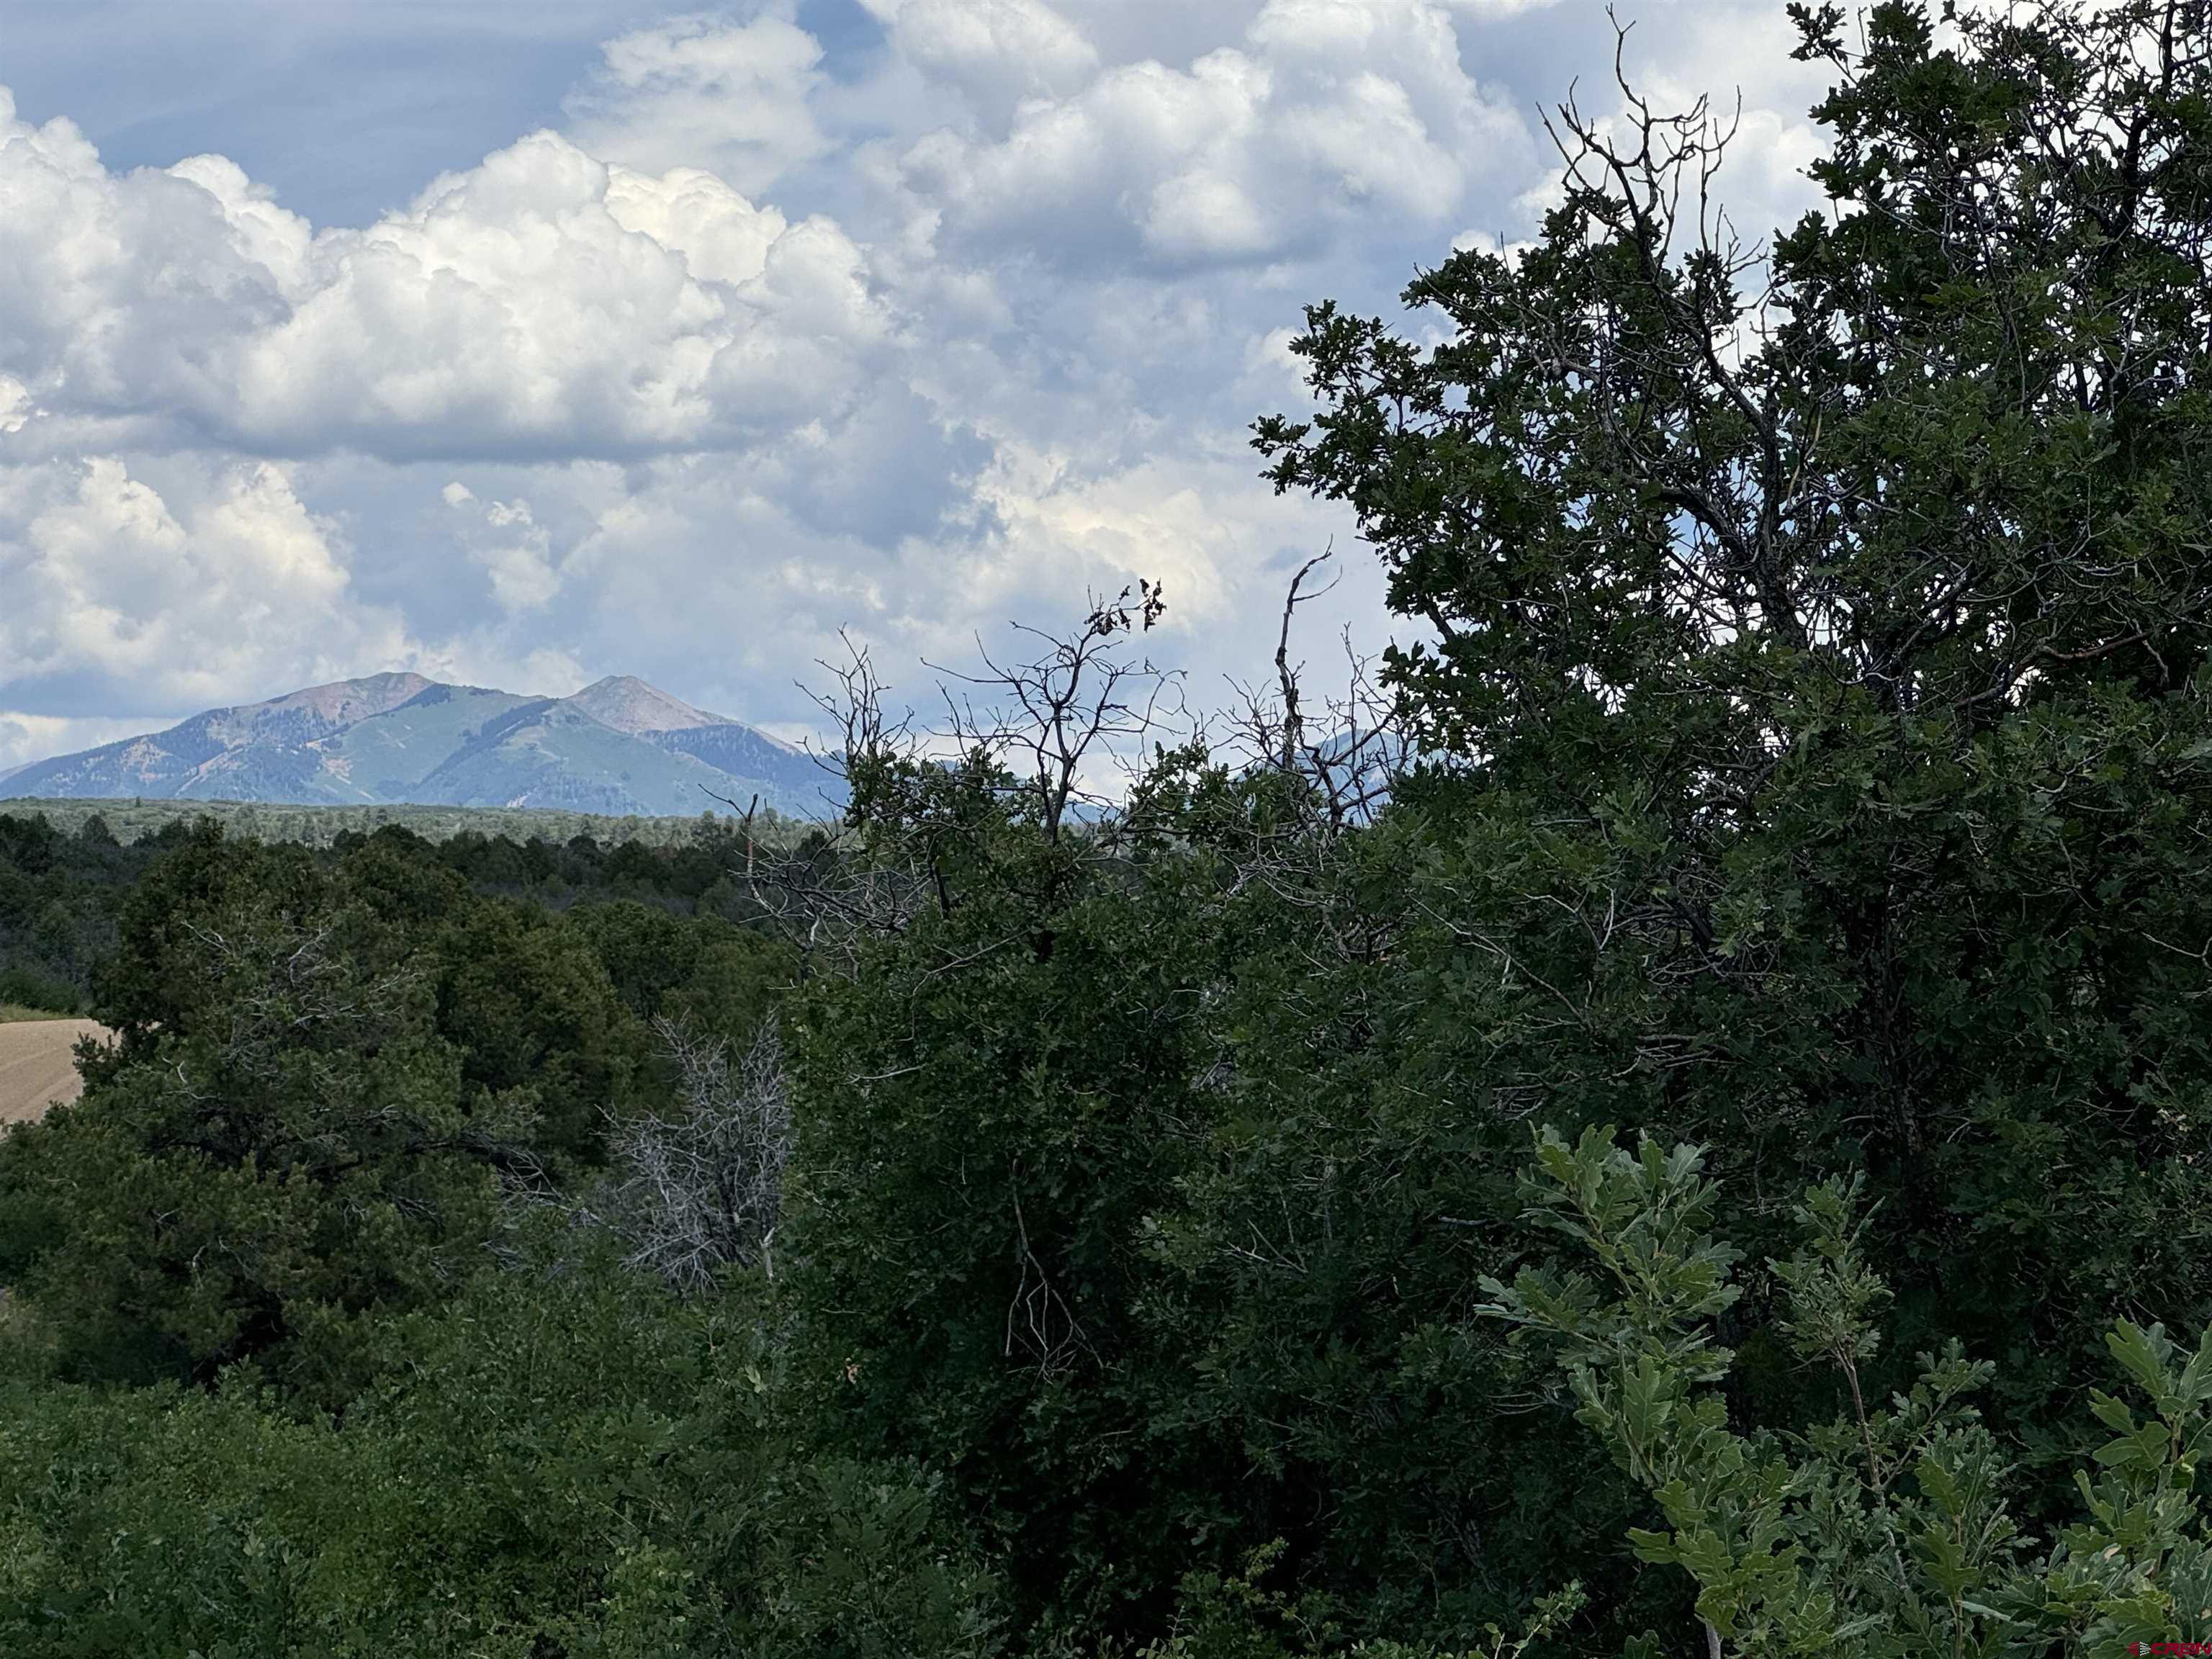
x: 1814, y: 695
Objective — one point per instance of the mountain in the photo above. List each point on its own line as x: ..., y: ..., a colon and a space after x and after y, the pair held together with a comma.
x: 619, y: 746
x: 626, y: 703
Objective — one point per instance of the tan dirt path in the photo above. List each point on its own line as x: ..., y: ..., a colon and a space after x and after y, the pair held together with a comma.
x: 38, y: 1064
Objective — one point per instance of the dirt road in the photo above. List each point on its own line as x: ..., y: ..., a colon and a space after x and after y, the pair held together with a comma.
x: 37, y: 1066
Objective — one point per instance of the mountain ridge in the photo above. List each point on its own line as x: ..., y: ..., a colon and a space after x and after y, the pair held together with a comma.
x: 619, y: 746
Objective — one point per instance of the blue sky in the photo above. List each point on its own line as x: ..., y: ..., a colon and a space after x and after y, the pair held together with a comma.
x: 520, y: 343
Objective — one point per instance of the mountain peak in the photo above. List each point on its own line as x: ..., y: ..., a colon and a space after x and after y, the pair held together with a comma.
x: 620, y: 746
x: 627, y: 704
x: 343, y: 701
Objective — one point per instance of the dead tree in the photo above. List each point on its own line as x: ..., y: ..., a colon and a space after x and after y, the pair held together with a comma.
x: 1032, y: 740
x: 701, y: 1189
x: 1075, y: 704
x: 1340, y: 755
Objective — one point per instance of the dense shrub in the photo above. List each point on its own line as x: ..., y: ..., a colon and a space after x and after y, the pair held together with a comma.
x: 568, y: 1462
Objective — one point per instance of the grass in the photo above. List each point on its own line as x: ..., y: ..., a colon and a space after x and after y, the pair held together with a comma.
x: 12, y: 1012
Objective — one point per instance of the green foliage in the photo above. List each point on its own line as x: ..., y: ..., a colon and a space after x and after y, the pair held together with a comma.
x: 538, y: 1026
x: 1887, y: 1533
x: 1237, y: 1617
x: 999, y: 1098
x: 1813, y: 764
x: 1817, y: 747
x: 326, y: 1068
x: 57, y: 897
x: 279, y: 1143
x: 700, y: 972
x: 861, y: 1572
x: 569, y: 1464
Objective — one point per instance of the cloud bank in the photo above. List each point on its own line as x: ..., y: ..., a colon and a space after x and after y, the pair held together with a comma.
x: 756, y: 341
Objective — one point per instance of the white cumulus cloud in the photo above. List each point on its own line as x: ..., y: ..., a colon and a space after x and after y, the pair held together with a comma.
x: 1326, y: 114
x: 699, y: 92
x: 220, y: 579
x: 928, y: 332
x: 996, y: 52
x: 544, y: 299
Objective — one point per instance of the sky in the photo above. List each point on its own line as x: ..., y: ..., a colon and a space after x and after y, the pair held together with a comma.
x: 523, y: 341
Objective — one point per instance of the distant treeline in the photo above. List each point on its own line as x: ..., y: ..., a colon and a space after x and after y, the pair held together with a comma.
x: 66, y: 867
x: 133, y: 820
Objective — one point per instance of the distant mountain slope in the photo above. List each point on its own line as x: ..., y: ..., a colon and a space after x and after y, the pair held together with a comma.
x: 620, y: 746
x: 627, y: 703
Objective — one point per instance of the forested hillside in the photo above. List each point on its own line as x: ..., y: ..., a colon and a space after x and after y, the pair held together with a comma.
x: 1676, y: 1121
x: 65, y: 871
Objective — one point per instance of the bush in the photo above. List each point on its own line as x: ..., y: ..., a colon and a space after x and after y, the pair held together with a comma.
x: 26, y: 988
